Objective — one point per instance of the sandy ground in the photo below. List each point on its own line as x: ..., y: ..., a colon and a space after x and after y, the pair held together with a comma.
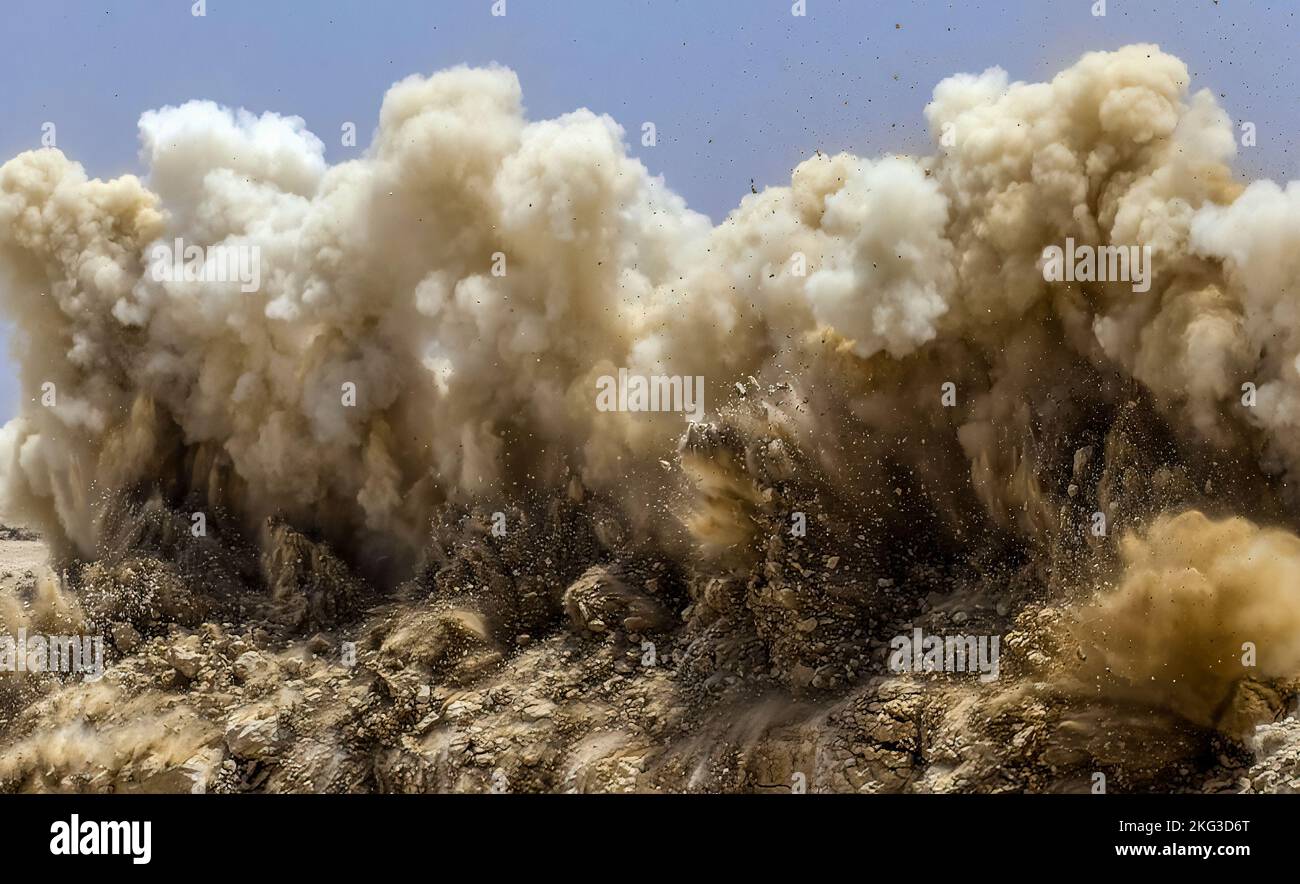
x: 20, y: 556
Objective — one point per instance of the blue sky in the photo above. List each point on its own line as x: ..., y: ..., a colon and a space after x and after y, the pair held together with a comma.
x: 738, y: 89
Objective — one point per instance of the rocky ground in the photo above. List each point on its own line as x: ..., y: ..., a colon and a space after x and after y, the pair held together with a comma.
x: 628, y: 693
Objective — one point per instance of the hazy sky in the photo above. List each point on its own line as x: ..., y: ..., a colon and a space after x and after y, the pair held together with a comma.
x: 738, y: 89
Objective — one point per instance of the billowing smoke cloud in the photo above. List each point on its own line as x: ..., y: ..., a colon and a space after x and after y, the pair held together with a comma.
x: 1202, y: 606
x: 474, y: 273
x: 377, y: 273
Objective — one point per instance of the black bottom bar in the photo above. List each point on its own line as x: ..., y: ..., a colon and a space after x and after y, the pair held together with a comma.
x: 634, y: 835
